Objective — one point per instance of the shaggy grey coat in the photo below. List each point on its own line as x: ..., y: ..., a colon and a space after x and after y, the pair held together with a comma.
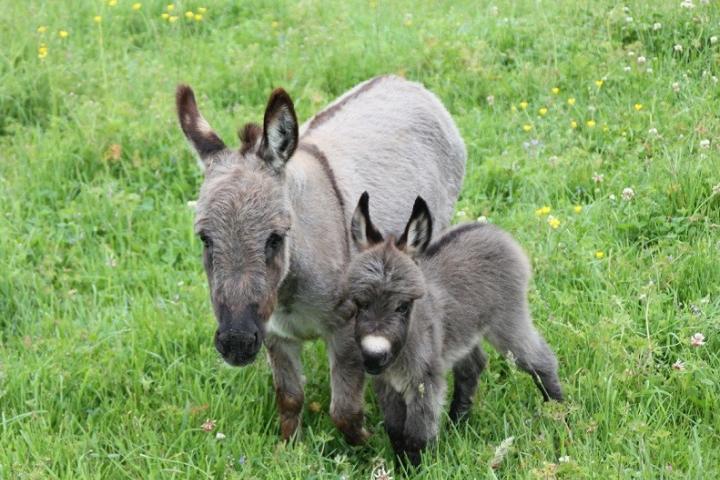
x: 420, y: 310
x: 273, y: 220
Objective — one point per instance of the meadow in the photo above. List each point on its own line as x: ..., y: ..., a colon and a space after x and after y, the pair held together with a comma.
x: 592, y: 132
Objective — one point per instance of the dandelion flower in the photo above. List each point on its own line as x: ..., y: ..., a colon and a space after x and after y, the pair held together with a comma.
x: 63, y: 33
x: 638, y: 106
x: 173, y: 18
x: 189, y: 14
x: 97, y: 19
x: 599, y: 254
x: 136, y: 6
x: 42, y: 51
x: 170, y: 7
x: 198, y: 17
x: 165, y: 15
x: 697, y: 340
x: 274, y: 24
x: 42, y: 29
x: 555, y: 90
x: 599, y: 83
x: 523, y: 105
x: 527, y: 127
x: 573, y: 124
x: 543, y: 111
x: 571, y: 101
x: 553, y: 222
x: 577, y: 208
x: 705, y: 143
x: 590, y: 123
x: 542, y: 211
x: 112, y: 3
x: 628, y: 194
x: 679, y: 365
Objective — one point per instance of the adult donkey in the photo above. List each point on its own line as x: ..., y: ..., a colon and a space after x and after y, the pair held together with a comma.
x: 273, y: 219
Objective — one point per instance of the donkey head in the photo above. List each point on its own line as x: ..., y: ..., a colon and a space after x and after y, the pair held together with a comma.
x: 382, y: 283
x: 243, y: 216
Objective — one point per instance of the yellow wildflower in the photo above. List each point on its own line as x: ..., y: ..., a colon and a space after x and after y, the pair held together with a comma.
x: 542, y: 211
x: 63, y: 34
x: 543, y: 111
x: 42, y: 51
x: 513, y: 108
x: 638, y: 106
x: 189, y: 15
x: 202, y: 9
x: 198, y: 17
x: 599, y: 254
x: 112, y: 3
x: 42, y: 29
x: 275, y: 24
x: 555, y: 90
x: 599, y: 83
x: 173, y: 18
x: 97, y: 19
x: 165, y: 16
x: 170, y: 7
x: 606, y: 128
x: 136, y: 6
x: 553, y: 222
x: 573, y: 124
x: 577, y: 208
x: 590, y: 123
x: 527, y: 127
x: 571, y: 101
x: 523, y: 105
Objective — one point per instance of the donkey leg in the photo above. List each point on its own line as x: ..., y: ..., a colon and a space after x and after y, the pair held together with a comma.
x: 422, y: 417
x: 392, y: 405
x: 347, y: 381
x: 532, y: 354
x: 466, y: 372
x: 284, y: 358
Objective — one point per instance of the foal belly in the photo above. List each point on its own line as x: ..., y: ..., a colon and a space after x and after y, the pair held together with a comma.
x: 301, y: 323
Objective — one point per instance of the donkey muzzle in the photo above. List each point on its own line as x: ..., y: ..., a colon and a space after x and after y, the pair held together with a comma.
x: 239, y: 338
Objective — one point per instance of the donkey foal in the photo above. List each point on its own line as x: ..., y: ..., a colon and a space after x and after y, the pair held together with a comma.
x: 421, y: 310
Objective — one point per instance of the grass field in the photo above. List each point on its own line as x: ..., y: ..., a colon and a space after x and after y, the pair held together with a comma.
x: 607, y: 116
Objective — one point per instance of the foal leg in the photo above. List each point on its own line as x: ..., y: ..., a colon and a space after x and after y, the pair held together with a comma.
x: 284, y: 358
x: 466, y: 372
x: 516, y: 334
x: 392, y: 405
x: 347, y: 381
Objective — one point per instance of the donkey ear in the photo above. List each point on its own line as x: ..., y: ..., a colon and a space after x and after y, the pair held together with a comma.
x: 197, y: 130
x: 418, y: 230
x: 280, y: 130
x: 363, y: 232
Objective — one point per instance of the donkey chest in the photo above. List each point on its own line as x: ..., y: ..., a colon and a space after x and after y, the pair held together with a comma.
x: 302, y: 322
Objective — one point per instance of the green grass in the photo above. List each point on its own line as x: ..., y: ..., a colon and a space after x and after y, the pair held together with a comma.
x: 107, y: 367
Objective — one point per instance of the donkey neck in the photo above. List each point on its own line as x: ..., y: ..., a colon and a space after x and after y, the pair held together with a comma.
x: 319, y: 247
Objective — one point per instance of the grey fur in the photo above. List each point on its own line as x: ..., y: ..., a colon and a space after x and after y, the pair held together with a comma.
x: 388, y: 136
x: 434, y: 305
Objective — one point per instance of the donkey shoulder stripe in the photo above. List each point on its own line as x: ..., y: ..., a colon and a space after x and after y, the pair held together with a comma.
x: 451, y: 236
x: 330, y: 112
x: 313, y: 150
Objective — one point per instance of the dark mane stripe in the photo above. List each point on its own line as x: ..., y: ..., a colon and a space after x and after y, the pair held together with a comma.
x: 322, y: 159
x: 330, y: 112
x: 450, y: 237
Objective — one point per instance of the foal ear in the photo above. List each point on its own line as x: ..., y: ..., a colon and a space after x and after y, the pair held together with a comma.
x: 418, y: 230
x: 197, y: 130
x: 280, y: 130
x: 363, y: 232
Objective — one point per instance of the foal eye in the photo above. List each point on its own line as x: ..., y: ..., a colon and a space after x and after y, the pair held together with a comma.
x: 403, y: 308
x: 273, y: 245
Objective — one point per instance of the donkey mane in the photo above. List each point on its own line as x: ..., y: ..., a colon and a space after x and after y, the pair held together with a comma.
x: 450, y: 237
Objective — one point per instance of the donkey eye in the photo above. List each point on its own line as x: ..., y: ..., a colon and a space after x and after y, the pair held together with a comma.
x: 273, y: 245
x: 403, y: 308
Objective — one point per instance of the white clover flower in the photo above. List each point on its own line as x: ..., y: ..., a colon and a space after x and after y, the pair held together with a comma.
x: 687, y: 4
x: 627, y: 68
x: 705, y: 143
x: 679, y: 365
x: 678, y: 47
x: 714, y: 79
x: 676, y: 87
x: 598, y: 177
x: 713, y: 40
x: 482, y: 219
x: 612, y: 197
x: 697, y: 340
x: 564, y: 459
x: 630, y: 53
x: 490, y: 100
x: 628, y: 194
x: 653, y: 131
x: 641, y: 60
x: 716, y: 189
x: 629, y: 19
x: 220, y: 436
x: 657, y: 26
